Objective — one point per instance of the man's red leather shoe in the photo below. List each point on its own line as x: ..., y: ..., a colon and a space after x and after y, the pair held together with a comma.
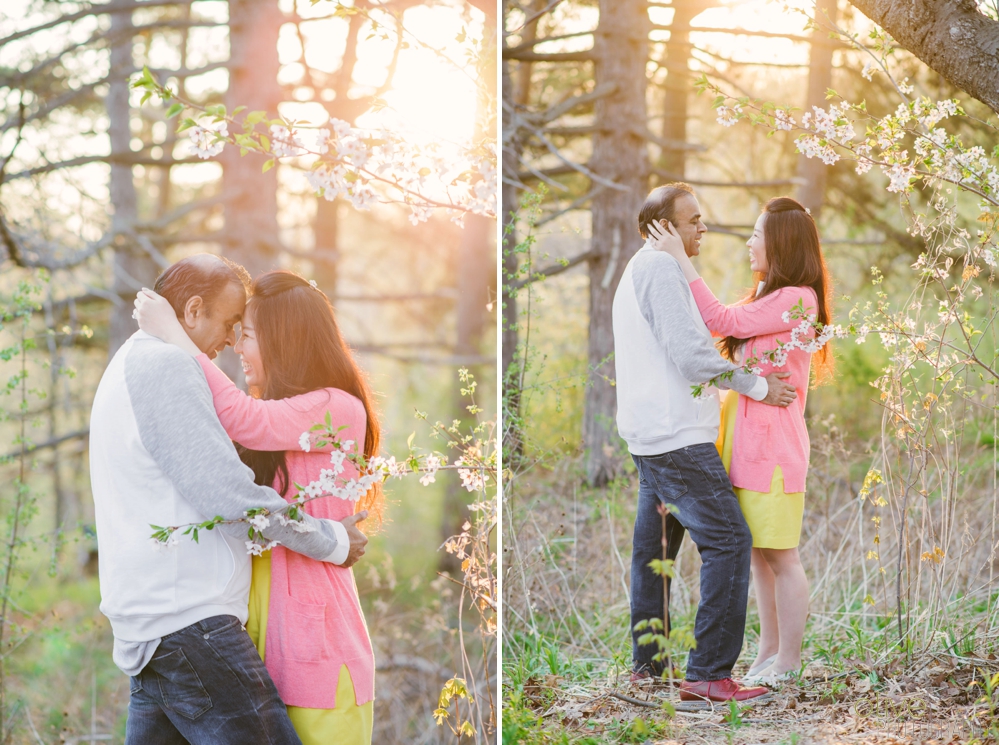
x: 721, y: 691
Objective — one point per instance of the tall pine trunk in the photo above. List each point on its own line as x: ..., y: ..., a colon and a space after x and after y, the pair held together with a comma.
x: 251, y: 227
x: 619, y: 154
x: 476, y: 269
x: 250, y: 196
x: 133, y: 267
x: 812, y: 171
x: 677, y: 86
x: 516, y: 94
x: 326, y: 226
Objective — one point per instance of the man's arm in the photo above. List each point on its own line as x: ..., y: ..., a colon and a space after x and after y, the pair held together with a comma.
x: 665, y: 302
x: 178, y: 426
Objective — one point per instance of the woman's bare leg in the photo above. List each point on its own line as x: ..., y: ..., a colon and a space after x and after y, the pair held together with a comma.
x: 791, y: 597
x: 763, y: 583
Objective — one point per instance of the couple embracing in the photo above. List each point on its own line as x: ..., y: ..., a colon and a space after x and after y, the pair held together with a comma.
x: 222, y: 647
x: 733, y: 475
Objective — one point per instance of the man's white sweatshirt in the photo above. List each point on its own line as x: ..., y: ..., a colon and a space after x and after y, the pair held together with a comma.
x: 661, y: 349
x: 159, y: 456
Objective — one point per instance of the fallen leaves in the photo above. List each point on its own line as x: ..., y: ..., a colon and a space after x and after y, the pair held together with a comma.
x: 893, y: 704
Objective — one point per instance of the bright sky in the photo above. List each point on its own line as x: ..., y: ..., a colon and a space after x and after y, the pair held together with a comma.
x: 432, y: 92
x: 777, y: 16
x: 757, y: 15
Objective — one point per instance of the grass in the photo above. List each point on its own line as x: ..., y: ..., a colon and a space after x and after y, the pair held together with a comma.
x: 65, y: 685
x: 567, y: 647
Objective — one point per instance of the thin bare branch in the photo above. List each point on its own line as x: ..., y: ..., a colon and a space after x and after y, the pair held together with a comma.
x: 527, y: 45
x: 551, y: 271
x: 727, y: 184
x: 90, y: 11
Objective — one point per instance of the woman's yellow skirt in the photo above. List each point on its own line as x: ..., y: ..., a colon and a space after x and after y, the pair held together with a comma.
x: 348, y: 723
x: 774, y: 518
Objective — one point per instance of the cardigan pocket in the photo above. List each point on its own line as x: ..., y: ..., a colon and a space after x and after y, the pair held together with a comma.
x: 303, y: 634
x: 753, y: 443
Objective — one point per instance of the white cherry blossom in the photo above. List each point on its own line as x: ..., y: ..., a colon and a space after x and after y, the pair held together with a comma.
x: 207, y: 138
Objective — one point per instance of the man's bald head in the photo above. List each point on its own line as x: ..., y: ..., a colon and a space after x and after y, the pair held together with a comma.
x: 204, y: 275
x: 208, y: 294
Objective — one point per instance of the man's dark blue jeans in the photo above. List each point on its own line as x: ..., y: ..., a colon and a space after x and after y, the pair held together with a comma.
x: 692, y: 479
x: 206, y: 685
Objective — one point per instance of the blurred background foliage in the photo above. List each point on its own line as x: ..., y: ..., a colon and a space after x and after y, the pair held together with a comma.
x: 98, y: 195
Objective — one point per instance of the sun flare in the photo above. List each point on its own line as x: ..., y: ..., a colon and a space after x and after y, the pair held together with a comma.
x: 432, y: 91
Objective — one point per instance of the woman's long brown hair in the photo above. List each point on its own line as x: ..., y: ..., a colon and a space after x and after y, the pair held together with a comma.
x: 302, y: 350
x: 794, y: 259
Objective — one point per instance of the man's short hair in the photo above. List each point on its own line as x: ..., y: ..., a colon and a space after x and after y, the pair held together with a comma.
x: 201, y: 276
x: 660, y: 203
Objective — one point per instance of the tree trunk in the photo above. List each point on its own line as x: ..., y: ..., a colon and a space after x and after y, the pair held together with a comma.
x: 515, y: 95
x: 133, y: 267
x: 476, y: 266
x: 953, y: 38
x: 512, y: 147
x: 621, y: 49
x: 326, y: 226
x: 250, y: 197
x: 325, y: 252
x: 812, y: 171
x: 476, y: 271
x: 251, y: 227
x: 677, y: 86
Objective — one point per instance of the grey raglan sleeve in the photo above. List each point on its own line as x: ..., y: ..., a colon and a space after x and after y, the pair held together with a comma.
x: 177, y: 423
x: 665, y: 302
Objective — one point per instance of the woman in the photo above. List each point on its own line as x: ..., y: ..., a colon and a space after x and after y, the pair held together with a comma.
x: 305, y: 616
x: 766, y: 448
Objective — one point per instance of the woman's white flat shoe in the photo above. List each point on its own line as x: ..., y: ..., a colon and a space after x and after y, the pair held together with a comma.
x: 756, y: 670
x: 773, y: 679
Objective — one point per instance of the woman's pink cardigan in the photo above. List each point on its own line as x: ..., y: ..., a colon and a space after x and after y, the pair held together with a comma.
x: 765, y: 436
x: 314, y: 621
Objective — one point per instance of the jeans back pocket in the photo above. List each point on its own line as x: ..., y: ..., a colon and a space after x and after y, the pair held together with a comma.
x: 181, y: 690
x: 665, y: 476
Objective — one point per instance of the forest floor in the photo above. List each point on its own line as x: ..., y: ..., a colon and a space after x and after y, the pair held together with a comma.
x: 63, y: 687
x: 935, y: 700
x: 567, y: 650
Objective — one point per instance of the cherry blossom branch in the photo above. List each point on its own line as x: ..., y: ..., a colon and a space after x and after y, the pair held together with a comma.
x: 346, y: 160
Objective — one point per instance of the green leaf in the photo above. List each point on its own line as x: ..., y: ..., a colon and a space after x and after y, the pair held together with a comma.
x: 238, y: 109
x: 268, y: 166
x: 256, y: 116
x: 174, y: 110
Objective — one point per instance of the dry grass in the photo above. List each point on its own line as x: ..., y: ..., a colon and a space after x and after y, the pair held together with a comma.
x: 567, y: 646
x: 65, y: 686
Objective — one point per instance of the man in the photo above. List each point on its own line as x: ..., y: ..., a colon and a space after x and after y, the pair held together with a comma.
x: 661, y: 349
x: 159, y: 456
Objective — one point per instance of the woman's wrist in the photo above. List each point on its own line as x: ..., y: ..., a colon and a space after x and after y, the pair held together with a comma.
x: 179, y: 338
x: 689, y: 271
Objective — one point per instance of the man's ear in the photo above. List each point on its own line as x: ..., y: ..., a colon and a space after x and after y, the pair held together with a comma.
x: 194, y: 309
